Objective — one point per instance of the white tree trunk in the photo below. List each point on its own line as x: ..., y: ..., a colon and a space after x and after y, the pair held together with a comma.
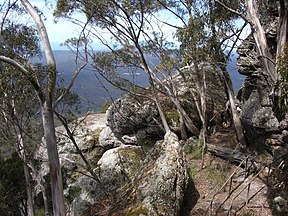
x: 47, y: 116
x: 55, y: 170
x: 235, y: 117
x: 282, y: 29
x: 261, y: 41
x: 22, y: 154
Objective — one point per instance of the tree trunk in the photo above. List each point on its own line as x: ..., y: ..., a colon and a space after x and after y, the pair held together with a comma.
x: 282, y: 29
x: 55, y: 169
x: 235, y: 117
x: 187, y: 120
x: 40, y: 181
x: 47, y: 115
x: 261, y: 42
x: 154, y: 90
x: 30, y: 206
x: 182, y: 127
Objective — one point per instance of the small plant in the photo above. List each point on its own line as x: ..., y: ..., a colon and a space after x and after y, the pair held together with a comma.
x: 105, y: 106
x: 40, y: 212
x: 192, y: 172
x: 194, y: 148
x: 73, y: 192
x: 218, y: 174
x: 281, y: 87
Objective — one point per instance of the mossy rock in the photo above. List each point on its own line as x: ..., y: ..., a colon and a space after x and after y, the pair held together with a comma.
x: 139, y: 210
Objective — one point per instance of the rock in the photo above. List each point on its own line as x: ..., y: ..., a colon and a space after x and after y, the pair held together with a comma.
x: 258, y: 116
x: 262, y: 125
x: 116, y: 167
x: 280, y: 205
x: 86, y: 136
x: 162, y: 181
x: 129, y: 115
x: 156, y: 187
x: 138, y: 117
x: 108, y: 140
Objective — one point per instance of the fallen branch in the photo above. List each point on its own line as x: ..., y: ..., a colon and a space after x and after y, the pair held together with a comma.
x: 230, y: 155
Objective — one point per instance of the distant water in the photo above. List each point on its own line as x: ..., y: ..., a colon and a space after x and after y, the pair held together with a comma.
x: 94, y: 90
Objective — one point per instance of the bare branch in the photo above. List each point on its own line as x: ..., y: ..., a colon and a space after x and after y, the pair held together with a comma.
x: 25, y: 72
x: 234, y: 11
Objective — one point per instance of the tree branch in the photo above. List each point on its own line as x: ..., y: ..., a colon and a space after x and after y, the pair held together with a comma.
x: 234, y: 11
x: 26, y: 73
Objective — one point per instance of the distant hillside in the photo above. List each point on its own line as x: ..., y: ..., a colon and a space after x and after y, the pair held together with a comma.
x: 89, y: 84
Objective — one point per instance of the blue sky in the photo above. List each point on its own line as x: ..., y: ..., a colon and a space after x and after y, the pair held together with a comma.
x: 63, y: 29
x: 60, y: 31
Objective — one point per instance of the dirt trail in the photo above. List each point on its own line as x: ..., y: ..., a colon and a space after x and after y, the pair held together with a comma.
x: 242, y: 194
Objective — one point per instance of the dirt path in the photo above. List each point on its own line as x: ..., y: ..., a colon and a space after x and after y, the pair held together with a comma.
x: 241, y: 195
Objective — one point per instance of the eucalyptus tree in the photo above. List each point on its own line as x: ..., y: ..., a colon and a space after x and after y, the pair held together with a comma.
x: 136, y: 36
x: 206, y: 34
x: 271, y: 62
x: 16, y: 113
x: 44, y: 89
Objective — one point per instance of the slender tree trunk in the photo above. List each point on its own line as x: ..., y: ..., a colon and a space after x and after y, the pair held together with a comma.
x: 55, y: 170
x: 173, y: 97
x: 282, y: 29
x: 261, y: 42
x: 182, y: 127
x: 47, y: 115
x: 22, y: 155
x: 21, y: 150
x: 40, y: 181
x: 154, y: 90
x: 235, y: 116
x: 28, y: 184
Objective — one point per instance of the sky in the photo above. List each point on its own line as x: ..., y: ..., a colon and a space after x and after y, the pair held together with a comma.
x: 62, y: 30
x: 58, y: 31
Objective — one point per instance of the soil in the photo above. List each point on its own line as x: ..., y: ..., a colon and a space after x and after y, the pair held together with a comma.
x: 224, y: 188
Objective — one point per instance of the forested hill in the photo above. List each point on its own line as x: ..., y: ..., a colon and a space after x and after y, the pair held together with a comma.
x: 94, y: 90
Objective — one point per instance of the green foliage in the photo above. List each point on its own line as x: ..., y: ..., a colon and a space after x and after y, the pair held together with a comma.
x: 208, y: 24
x: 194, y: 148
x: 72, y: 193
x: 146, y: 142
x: 105, y: 106
x: 192, y: 172
x: 20, y: 40
x: 12, y: 186
x: 40, y: 212
x: 281, y: 87
x: 137, y: 210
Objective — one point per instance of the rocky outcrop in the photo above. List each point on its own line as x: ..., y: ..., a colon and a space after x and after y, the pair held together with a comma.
x: 161, y: 184
x: 155, y: 188
x: 137, y: 117
x: 116, y: 168
x: 130, y: 116
x: 264, y: 129
x: 125, y: 180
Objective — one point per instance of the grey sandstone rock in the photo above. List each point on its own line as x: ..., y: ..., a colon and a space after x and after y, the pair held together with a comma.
x: 116, y: 167
x: 108, y: 140
x: 161, y: 184
x: 131, y: 117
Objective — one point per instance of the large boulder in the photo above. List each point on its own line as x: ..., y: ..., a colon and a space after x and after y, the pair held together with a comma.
x: 157, y: 187
x: 130, y: 115
x: 138, y: 116
x: 163, y: 179
x: 262, y: 125
x: 116, y: 168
